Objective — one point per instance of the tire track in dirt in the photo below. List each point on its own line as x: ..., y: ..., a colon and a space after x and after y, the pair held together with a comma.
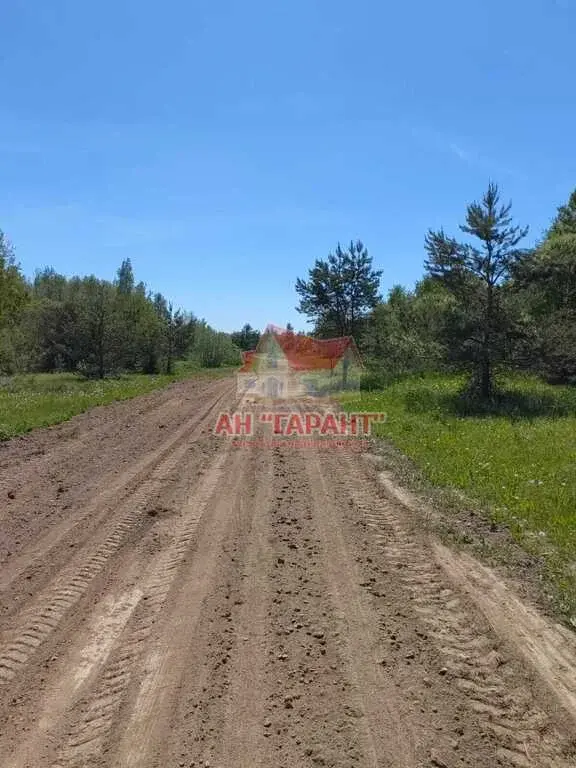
x: 265, y: 684
x: 268, y: 686
x: 224, y: 678
x: 244, y: 746
x: 41, y: 619
x: 473, y: 657
x: 92, y: 730
x: 404, y: 716
x: 313, y: 718
x: 387, y: 734
x: 50, y: 444
x: 165, y: 660
x: 551, y: 650
x: 120, y: 490
x: 275, y: 608
x: 79, y: 667
x: 82, y: 736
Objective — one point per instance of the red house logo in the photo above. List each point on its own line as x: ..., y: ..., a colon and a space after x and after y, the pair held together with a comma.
x: 289, y: 365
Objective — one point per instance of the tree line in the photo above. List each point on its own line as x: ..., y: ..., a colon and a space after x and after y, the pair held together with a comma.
x: 97, y: 327
x: 485, y: 303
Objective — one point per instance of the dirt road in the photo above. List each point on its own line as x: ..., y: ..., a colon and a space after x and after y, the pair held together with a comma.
x: 169, y: 600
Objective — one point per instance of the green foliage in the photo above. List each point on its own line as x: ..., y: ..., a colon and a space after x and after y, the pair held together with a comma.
x: 13, y: 289
x: 340, y: 291
x: 246, y: 339
x: 482, y: 325
x: 125, y: 278
x: 97, y: 327
x: 551, y: 270
x: 557, y: 347
x: 565, y: 221
x: 213, y: 349
x: 547, y: 283
x: 13, y: 299
x: 402, y: 333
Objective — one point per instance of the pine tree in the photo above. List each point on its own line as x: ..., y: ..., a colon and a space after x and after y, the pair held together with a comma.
x: 340, y: 291
x: 482, y: 324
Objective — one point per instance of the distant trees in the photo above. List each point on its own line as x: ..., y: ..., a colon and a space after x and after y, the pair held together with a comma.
x: 404, y: 332
x: 213, y: 349
x: 340, y: 291
x: 484, y: 303
x: 13, y: 298
x: 13, y: 290
x: 247, y: 338
x: 97, y: 327
x: 548, y: 282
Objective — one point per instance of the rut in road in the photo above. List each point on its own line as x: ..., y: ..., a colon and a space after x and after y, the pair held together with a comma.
x: 139, y: 656
x: 84, y: 479
x: 252, y: 607
x: 318, y: 692
x: 51, y: 605
x: 39, y: 625
x: 474, y: 656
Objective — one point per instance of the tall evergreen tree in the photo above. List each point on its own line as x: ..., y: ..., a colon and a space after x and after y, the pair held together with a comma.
x: 340, y: 291
x: 482, y: 323
x: 125, y: 278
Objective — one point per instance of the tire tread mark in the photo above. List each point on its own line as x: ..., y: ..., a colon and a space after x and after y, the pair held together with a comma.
x: 72, y: 583
x: 89, y: 733
x: 508, y: 712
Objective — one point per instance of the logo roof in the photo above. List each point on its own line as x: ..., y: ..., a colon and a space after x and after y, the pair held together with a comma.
x: 303, y: 353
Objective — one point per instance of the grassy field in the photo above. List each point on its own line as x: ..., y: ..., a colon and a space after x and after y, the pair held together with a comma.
x: 518, y: 459
x: 39, y: 400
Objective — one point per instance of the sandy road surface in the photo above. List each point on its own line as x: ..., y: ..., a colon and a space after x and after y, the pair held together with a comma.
x: 168, y: 600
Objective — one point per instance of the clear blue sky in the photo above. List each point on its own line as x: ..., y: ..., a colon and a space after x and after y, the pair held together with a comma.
x: 224, y: 145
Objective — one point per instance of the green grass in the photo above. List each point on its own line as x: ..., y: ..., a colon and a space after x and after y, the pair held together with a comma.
x: 40, y: 400
x: 518, y: 458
